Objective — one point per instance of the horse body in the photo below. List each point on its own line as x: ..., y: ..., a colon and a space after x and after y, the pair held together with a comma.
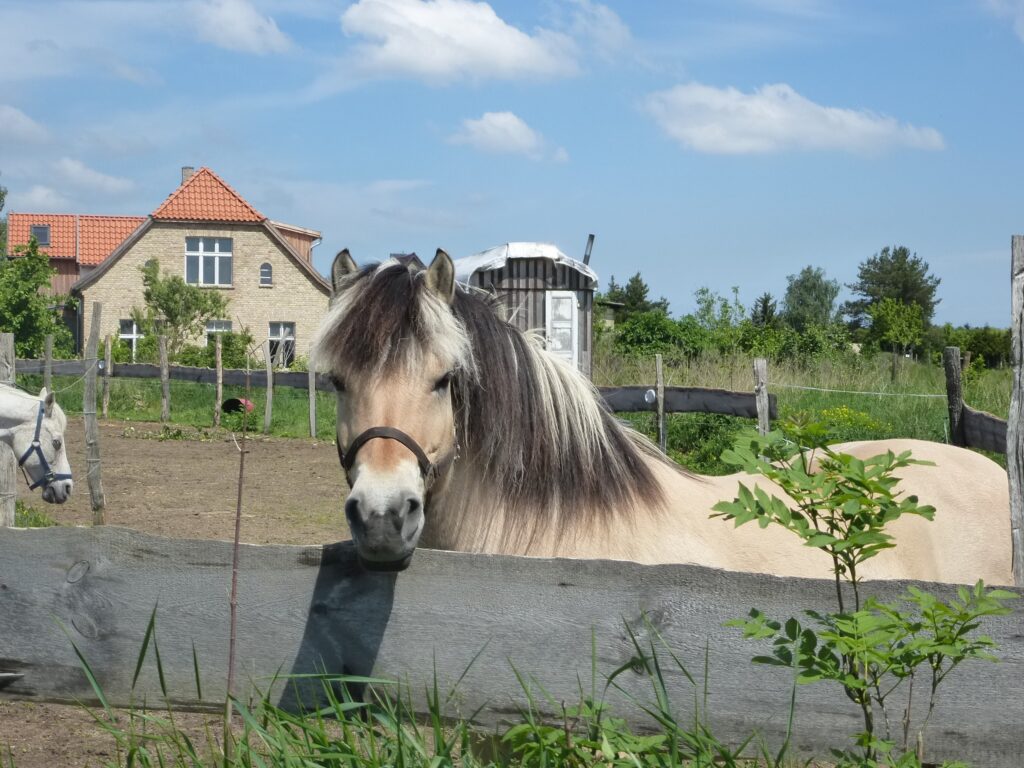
x: 462, y: 433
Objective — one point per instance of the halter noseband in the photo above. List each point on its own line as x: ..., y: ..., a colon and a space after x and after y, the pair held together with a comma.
x: 428, y: 471
x: 49, y: 476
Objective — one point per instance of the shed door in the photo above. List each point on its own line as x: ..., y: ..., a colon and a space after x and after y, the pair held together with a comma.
x: 563, y: 325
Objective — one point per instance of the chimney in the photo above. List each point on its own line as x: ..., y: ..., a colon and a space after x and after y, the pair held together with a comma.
x: 186, y: 173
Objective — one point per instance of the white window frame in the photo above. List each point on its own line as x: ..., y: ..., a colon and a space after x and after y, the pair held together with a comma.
x: 218, y: 257
x: 133, y: 336
x: 572, y: 356
x: 213, y: 327
x: 49, y: 234
x: 267, y: 281
x: 280, y: 336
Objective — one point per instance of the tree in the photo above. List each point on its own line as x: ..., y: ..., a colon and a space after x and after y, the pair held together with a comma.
x: 763, y: 314
x: 26, y: 312
x: 174, y: 308
x: 897, y: 324
x: 3, y: 222
x: 892, y: 274
x: 633, y: 297
x: 810, y: 299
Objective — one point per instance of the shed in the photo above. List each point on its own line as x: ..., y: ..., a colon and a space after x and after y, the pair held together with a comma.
x: 542, y: 289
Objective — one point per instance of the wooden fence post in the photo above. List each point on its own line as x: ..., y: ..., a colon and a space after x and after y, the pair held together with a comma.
x: 8, y: 461
x: 48, y: 362
x: 660, y: 385
x: 954, y: 395
x: 311, y: 386
x: 165, y: 382
x: 108, y: 365
x: 1015, y: 421
x: 218, y: 362
x: 270, y: 387
x: 92, y: 430
x: 761, y: 395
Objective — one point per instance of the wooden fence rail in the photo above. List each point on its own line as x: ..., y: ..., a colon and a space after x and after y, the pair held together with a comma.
x: 311, y: 609
x: 969, y: 427
x: 622, y: 399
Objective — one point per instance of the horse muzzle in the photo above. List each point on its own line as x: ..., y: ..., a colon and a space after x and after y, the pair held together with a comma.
x: 385, y: 529
x: 58, y: 491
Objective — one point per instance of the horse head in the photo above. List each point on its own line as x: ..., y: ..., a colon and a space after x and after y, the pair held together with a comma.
x: 392, y: 348
x: 38, y: 444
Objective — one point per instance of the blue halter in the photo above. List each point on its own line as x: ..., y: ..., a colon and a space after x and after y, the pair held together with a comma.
x: 49, y: 476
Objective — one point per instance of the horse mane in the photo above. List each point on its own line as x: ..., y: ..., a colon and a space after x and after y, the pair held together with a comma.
x: 533, y: 430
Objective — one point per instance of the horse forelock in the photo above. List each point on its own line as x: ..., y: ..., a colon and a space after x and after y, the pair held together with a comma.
x: 384, y: 319
x: 539, y: 436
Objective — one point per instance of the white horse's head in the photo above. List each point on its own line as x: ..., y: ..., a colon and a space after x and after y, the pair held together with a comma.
x: 392, y: 348
x: 38, y: 444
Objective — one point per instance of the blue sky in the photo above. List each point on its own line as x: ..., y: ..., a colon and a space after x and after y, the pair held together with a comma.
x: 704, y: 142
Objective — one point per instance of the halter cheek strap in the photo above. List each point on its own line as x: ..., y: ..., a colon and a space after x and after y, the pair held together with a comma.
x: 49, y: 476
x: 429, y: 471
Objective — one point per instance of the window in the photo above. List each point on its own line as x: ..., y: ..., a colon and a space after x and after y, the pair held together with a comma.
x: 41, y: 232
x: 208, y: 261
x: 266, y: 274
x: 129, y: 331
x: 282, y: 344
x: 213, y: 327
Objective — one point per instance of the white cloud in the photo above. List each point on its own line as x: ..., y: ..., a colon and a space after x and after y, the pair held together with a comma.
x: 1013, y: 10
x: 775, y: 118
x: 504, y: 133
x: 18, y: 128
x: 39, y: 198
x: 441, y: 41
x: 599, y: 28
x: 77, y: 174
x: 237, y: 26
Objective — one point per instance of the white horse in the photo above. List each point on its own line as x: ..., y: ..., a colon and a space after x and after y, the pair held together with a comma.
x: 33, y: 428
x: 459, y: 432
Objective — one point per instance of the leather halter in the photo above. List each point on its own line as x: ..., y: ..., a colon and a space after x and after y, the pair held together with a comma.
x: 429, y: 471
x: 49, y: 476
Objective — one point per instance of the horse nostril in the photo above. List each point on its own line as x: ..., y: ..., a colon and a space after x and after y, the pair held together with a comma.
x: 414, y: 505
x: 352, y: 511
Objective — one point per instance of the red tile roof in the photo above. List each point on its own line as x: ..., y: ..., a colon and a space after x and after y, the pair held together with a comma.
x: 205, y: 197
x: 85, y: 238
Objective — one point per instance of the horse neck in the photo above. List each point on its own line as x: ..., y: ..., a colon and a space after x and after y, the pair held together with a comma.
x: 16, y: 408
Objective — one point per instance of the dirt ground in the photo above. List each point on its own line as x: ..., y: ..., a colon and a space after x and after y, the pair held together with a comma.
x: 292, y: 494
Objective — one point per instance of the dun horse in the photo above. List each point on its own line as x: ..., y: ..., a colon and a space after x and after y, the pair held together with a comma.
x: 33, y: 428
x: 457, y: 431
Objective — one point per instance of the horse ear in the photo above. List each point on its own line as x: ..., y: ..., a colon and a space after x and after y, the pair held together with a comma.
x: 343, y: 265
x: 441, y: 276
x: 48, y: 401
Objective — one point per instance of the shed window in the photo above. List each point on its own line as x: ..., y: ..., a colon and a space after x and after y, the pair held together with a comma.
x: 41, y: 232
x: 129, y: 331
x: 266, y: 274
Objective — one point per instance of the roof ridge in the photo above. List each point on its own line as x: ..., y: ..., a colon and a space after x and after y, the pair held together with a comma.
x: 205, y: 173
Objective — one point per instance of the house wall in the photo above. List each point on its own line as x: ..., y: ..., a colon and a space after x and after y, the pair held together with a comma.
x: 293, y: 297
x: 65, y: 276
x: 522, y: 284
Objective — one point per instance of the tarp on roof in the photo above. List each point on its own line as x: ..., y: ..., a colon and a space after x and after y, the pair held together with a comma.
x: 499, y: 255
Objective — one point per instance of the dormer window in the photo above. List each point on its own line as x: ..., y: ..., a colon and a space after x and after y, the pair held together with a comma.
x: 266, y: 274
x: 41, y: 232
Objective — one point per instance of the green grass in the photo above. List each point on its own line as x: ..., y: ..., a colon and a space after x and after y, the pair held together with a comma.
x: 30, y: 517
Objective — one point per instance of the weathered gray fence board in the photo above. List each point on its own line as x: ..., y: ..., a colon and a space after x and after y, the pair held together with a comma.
x: 983, y: 430
x: 303, y: 608
x: 687, y: 399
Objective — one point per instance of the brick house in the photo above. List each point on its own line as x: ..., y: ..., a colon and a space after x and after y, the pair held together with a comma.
x: 210, y: 236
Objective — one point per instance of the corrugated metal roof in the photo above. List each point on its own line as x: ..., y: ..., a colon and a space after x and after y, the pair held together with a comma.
x: 499, y: 255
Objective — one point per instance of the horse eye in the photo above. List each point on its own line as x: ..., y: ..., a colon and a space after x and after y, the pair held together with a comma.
x: 57, y: 444
x: 443, y: 382
x: 337, y: 383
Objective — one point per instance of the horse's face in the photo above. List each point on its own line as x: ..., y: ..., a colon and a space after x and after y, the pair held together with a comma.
x: 43, y: 457
x: 395, y: 429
